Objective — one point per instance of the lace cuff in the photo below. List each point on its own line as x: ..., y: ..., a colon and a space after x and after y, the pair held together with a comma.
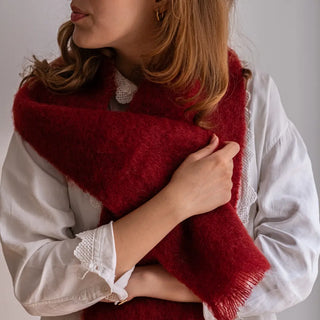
x: 97, y: 254
x: 247, y: 193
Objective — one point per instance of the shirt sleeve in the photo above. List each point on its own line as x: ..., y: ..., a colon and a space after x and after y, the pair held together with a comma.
x: 36, y: 228
x: 286, y: 225
x: 97, y: 254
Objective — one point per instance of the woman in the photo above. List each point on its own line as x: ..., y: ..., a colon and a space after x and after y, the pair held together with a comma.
x: 62, y: 263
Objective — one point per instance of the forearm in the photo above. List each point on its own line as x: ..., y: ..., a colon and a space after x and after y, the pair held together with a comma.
x: 156, y: 282
x: 139, y: 231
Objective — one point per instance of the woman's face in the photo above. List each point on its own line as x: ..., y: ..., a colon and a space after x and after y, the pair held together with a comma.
x: 121, y: 24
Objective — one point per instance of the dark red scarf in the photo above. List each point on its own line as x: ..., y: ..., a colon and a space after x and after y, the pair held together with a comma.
x: 125, y: 158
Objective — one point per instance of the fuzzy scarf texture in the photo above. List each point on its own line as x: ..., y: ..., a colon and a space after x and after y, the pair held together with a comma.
x: 125, y: 158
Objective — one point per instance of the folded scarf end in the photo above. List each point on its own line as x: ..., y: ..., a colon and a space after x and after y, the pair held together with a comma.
x: 226, y: 307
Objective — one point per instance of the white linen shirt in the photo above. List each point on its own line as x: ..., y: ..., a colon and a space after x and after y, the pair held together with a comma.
x: 61, y: 262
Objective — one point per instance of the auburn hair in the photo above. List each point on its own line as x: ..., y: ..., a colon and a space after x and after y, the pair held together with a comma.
x: 191, y: 42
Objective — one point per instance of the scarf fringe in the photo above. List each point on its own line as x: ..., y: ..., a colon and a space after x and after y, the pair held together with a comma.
x: 227, y: 308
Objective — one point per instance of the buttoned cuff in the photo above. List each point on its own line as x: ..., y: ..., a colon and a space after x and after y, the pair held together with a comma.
x: 97, y: 254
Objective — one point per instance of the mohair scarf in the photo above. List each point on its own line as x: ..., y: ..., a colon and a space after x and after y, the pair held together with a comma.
x: 125, y: 158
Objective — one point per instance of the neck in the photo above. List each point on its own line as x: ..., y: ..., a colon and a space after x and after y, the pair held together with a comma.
x: 129, y: 67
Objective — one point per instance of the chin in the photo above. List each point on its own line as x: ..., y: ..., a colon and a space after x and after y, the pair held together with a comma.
x: 81, y: 43
x: 82, y: 40
x: 85, y: 41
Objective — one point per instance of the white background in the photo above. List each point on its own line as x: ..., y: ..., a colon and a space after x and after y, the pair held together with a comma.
x: 280, y: 37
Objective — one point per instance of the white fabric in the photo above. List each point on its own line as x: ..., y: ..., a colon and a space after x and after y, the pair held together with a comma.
x: 94, y: 252
x: 125, y: 88
x: 61, y: 262
x: 247, y: 193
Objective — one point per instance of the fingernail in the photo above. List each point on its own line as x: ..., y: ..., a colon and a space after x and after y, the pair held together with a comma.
x: 214, y: 138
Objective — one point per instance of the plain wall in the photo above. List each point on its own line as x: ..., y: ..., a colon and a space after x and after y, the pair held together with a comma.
x: 280, y: 37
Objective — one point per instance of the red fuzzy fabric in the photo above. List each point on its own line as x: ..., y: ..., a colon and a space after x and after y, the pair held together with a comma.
x: 125, y: 158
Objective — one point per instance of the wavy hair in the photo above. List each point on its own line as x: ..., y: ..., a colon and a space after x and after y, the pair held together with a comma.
x: 191, y: 43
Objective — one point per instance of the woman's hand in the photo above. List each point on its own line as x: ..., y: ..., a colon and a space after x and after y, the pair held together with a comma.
x: 203, y: 181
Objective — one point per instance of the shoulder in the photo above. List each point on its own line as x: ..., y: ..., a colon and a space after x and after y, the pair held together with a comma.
x: 22, y: 159
x: 269, y: 119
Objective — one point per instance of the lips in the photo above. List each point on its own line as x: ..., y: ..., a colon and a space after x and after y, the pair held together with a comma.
x: 77, y: 13
x: 77, y: 16
x: 78, y: 10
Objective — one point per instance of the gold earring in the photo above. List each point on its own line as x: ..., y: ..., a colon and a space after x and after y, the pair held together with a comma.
x: 160, y: 16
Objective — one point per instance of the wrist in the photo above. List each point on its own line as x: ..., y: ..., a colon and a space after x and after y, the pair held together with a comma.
x: 160, y: 284
x: 175, y: 206
x: 145, y: 280
x: 138, y: 281
x: 150, y: 280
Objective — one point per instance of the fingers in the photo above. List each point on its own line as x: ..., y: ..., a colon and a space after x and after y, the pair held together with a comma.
x: 207, y: 150
x: 230, y: 150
